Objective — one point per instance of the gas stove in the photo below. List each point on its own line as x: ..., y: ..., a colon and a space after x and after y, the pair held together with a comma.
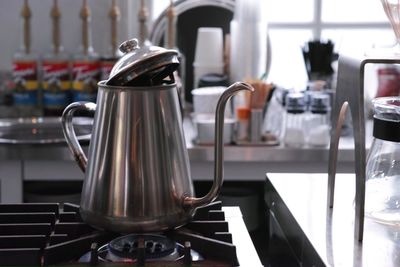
x: 42, y: 234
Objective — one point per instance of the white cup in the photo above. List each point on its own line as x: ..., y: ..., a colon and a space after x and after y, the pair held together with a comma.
x: 209, y: 47
x: 205, y: 100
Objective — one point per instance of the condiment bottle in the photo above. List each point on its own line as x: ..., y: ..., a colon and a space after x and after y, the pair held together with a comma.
x: 318, y: 120
x: 382, y: 194
x: 86, y: 64
x: 56, y: 80
x: 243, y: 117
x: 25, y: 71
x: 294, y: 130
x: 113, y: 53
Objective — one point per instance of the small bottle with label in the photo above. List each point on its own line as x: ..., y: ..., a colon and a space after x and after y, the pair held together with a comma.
x: 85, y: 64
x: 25, y: 72
x: 113, y: 53
x: 243, y: 117
x: 56, y: 82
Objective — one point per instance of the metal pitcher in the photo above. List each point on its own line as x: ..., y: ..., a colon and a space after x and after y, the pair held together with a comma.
x: 137, y: 175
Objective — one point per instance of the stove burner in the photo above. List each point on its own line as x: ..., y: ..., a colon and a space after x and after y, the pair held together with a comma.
x: 156, y: 246
x: 37, y: 234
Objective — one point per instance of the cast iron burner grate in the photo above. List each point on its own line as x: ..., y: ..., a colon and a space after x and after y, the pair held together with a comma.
x: 47, y: 234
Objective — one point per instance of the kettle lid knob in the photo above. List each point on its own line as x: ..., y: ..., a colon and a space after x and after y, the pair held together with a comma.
x: 129, y: 46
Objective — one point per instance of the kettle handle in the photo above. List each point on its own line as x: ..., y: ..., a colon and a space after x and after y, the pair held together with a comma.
x: 69, y: 132
x: 192, y: 202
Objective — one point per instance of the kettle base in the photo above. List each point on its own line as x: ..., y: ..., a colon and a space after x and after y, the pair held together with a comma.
x: 135, y: 224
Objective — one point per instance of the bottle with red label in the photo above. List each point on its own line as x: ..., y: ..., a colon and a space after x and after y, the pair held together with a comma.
x: 56, y: 82
x: 25, y: 71
x: 86, y: 64
x: 113, y: 53
x: 388, y: 81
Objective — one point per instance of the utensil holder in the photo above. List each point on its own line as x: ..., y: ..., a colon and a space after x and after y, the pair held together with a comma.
x: 350, y: 95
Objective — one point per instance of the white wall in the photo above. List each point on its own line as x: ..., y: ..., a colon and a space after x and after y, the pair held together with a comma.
x: 10, y: 25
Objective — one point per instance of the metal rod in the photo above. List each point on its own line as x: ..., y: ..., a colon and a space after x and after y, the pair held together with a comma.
x: 333, y: 154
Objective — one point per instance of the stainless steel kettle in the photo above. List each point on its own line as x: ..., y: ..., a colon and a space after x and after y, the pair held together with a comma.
x: 137, y: 175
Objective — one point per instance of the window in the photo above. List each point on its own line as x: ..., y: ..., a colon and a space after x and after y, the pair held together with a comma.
x: 350, y: 24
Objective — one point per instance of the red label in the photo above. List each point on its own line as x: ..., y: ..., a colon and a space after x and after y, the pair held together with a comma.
x: 25, y: 69
x: 85, y: 75
x: 56, y: 76
x: 84, y: 70
x: 58, y: 70
x: 25, y: 76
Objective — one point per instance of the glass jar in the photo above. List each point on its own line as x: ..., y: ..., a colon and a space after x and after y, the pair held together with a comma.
x: 295, y: 110
x: 382, y: 201
x: 318, y: 120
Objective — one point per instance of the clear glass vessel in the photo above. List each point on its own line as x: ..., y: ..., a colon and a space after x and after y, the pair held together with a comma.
x: 318, y: 120
x: 382, y: 202
x: 294, y: 135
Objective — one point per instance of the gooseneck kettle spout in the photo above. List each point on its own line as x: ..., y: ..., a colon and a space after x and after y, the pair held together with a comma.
x: 192, y: 202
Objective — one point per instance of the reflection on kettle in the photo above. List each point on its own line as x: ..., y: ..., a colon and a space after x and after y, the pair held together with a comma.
x: 137, y: 175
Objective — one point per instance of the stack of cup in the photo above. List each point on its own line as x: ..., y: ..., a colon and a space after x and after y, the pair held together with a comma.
x: 248, y: 51
x: 208, y: 54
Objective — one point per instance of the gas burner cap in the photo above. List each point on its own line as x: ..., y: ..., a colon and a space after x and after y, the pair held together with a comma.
x: 156, y: 246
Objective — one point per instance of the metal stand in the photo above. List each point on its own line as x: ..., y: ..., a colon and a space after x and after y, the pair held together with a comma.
x: 350, y: 93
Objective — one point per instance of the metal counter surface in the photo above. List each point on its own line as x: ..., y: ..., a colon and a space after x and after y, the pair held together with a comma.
x: 232, y: 153
x: 321, y: 237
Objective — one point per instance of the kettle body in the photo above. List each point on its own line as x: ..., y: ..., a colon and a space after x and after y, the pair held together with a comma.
x: 137, y: 175
x: 138, y: 165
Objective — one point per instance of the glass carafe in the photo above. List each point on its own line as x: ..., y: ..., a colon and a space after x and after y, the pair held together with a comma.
x: 382, y: 201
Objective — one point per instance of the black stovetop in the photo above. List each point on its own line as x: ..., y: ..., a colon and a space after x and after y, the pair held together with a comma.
x: 42, y: 234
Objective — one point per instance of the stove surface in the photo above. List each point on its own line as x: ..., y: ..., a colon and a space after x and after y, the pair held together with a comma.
x: 41, y: 234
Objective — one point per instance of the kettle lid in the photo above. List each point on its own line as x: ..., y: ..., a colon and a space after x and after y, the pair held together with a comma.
x: 143, y: 66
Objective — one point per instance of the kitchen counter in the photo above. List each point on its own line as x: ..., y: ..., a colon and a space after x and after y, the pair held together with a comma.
x: 291, y: 158
x: 320, y: 237
x: 53, y: 162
